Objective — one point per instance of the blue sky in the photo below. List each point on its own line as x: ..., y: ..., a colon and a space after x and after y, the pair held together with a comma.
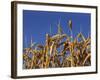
x: 37, y: 23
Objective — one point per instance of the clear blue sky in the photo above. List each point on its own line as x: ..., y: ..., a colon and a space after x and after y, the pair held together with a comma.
x: 37, y: 24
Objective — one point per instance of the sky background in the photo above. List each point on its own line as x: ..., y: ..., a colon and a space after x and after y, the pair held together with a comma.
x: 37, y: 23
